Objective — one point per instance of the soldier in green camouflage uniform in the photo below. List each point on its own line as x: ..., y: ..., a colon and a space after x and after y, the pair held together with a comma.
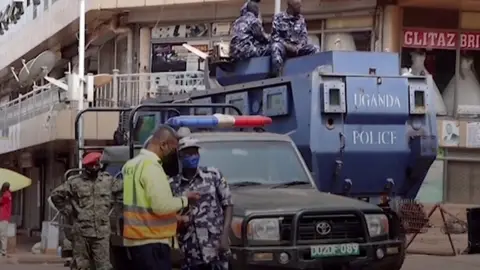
x: 67, y: 247
x: 88, y: 199
x: 68, y: 241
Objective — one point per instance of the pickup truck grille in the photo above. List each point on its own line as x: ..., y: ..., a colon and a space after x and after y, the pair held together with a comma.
x: 343, y: 227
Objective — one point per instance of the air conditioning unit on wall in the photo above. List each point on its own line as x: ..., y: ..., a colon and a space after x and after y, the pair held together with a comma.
x: 25, y: 160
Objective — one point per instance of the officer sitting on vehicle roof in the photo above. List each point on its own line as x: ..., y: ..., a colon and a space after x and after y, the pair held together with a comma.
x: 289, y: 36
x: 203, y: 235
x: 244, y: 8
x: 249, y: 39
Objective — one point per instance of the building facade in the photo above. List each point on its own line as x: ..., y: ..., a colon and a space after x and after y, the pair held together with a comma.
x: 135, y: 49
x: 448, y: 50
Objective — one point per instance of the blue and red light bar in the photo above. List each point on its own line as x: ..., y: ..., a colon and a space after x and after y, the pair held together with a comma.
x: 220, y: 121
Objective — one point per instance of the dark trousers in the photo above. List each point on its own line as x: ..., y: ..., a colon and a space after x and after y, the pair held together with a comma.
x: 201, y: 267
x: 151, y: 257
x: 207, y: 266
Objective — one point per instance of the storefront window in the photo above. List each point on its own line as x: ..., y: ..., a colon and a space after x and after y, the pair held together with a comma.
x: 181, y: 31
x: 468, y: 98
x: 168, y: 57
x: 348, y: 41
x: 348, y: 33
x: 168, y: 54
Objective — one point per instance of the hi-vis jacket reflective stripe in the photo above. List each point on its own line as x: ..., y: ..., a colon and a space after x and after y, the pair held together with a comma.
x: 140, y: 221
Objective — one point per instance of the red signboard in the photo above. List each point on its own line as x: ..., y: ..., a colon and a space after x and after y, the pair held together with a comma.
x: 437, y: 39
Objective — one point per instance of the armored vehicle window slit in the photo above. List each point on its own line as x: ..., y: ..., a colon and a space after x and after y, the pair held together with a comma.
x: 419, y: 99
x: 334, y: 96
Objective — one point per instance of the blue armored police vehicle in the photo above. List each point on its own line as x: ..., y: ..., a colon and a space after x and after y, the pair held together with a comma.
x: 343, y: 123
x: 363, y: 130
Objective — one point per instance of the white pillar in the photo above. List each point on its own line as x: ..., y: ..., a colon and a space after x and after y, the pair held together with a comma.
x: 144, y: 54
x: 81, y: 73
x: 278, y: 5
x: 145, y: 49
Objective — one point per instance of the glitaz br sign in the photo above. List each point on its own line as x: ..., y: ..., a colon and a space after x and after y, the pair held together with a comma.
x: 438, y: 39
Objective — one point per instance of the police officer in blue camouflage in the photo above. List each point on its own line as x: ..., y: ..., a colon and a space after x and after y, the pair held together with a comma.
x: 244, y: 8
x: 248, y: 36
x: 289, y: 36
x: 204, y: 228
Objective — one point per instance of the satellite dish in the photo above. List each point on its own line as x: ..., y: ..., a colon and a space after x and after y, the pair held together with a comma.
x: 195, y: 51
x: 102, y: 79
x: 58, y: 83
x: 40, y: 66
x: 24, y: 73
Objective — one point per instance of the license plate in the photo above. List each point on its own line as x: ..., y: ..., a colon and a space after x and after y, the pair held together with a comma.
x: 351, y: 249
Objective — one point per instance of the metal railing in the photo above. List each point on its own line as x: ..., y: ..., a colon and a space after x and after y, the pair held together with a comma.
x: 123, y: 90
x: 38, y: 101
x: 131, y: 89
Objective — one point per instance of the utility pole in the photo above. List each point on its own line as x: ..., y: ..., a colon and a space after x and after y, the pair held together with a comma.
x: 81, y: 76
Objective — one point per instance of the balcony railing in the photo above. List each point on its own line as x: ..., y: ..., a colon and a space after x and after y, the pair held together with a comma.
x: 123, y: 90
x: 131, y: 89
x: 36, y: 102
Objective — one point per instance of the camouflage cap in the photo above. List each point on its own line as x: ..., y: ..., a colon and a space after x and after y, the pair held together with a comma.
x: 183, y: 132
x: 187, y: 142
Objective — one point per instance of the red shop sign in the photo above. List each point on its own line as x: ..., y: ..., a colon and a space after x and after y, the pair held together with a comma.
x: 436, y: 39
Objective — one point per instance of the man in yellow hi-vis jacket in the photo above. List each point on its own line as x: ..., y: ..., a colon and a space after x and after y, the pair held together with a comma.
x: 149, y: 208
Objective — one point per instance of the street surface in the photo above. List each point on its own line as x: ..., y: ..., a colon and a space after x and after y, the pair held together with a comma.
x: 414, y: 262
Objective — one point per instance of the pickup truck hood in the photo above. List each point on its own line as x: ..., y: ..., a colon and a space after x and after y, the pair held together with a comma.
x: 264, y: 199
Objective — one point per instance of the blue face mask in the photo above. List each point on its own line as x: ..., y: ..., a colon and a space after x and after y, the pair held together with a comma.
x: 190, y: 162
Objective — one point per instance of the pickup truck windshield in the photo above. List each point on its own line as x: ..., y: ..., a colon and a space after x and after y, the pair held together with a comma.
x: 263, y: 162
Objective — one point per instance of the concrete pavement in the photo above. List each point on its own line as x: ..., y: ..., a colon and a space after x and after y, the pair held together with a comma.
x: 29, y: 258
x: 422, y: 262
x: 32, y: 267
x: 413, y: 262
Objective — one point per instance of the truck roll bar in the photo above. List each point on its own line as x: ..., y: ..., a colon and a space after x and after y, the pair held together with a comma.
x: 70, y: 172
x: 167, y: 107
x: 80, y: 143
x: 120, y: 110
